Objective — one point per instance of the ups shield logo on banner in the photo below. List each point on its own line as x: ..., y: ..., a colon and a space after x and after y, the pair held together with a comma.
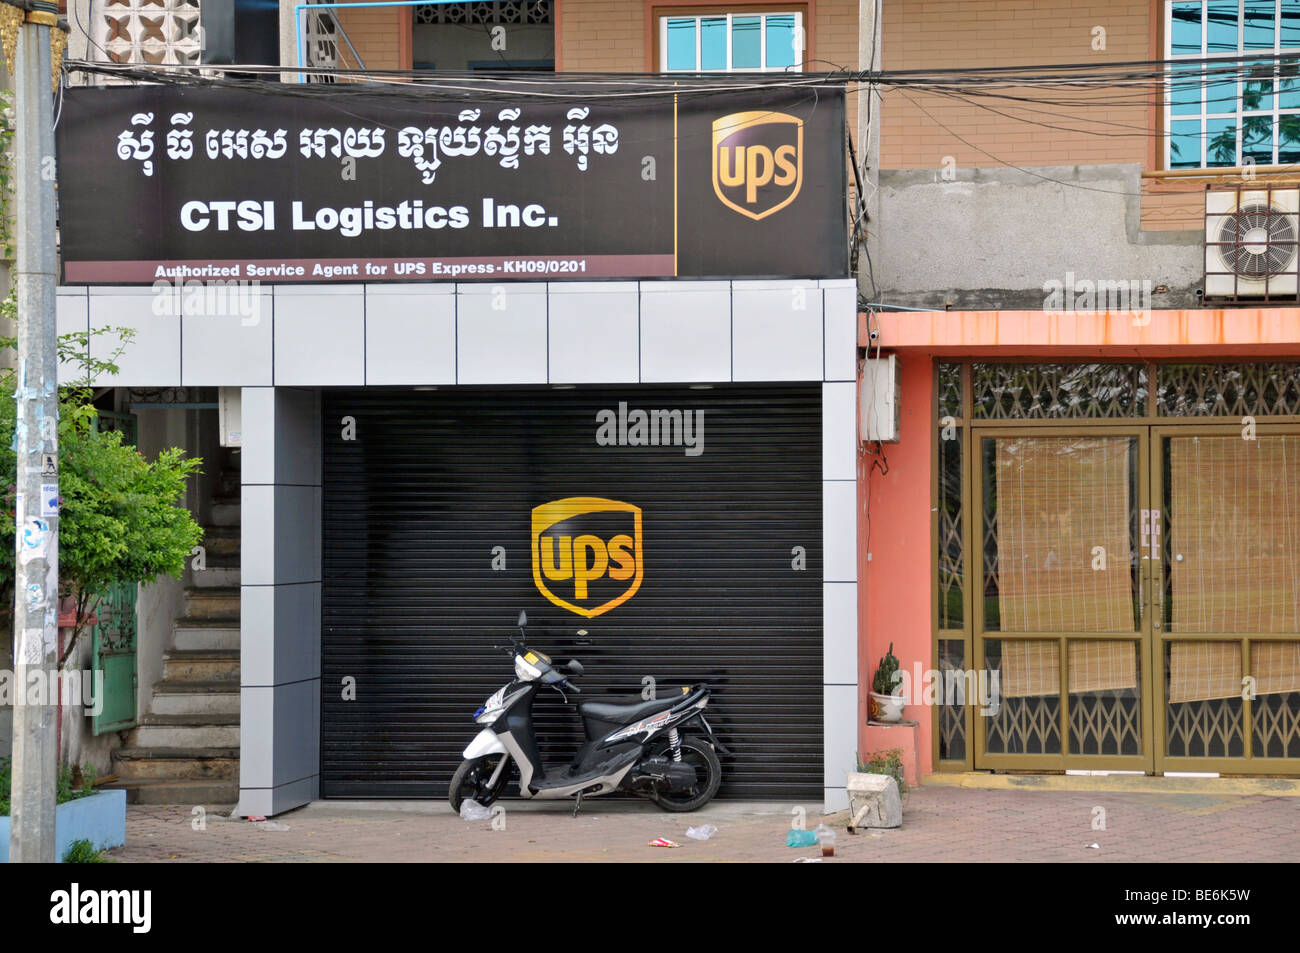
x: 757, y: 161
x: 587, y: 553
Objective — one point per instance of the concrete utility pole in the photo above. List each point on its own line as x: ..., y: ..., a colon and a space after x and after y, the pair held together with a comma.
x: 868, y: 129
x: 36, y: 582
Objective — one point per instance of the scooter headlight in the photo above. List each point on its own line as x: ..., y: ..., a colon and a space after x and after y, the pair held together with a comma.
x: 525, y: 671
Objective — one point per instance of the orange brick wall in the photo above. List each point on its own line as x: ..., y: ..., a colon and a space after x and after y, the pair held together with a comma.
x: 382, y: 37
x: 962, y: 33
x: 1173, y: 204
x: 613, y: 36
x: 601, y: 36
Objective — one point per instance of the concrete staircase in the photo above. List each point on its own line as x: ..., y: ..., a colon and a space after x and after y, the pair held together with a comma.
x: 186, y: 748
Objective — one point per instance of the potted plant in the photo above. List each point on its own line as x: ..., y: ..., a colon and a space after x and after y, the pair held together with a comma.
x: 886, y: 690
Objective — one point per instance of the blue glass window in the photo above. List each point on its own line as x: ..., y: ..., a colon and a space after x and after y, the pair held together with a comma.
x: 1185, y: 21
x: 681, y: 44
x: 1221, y: 92
x: 713, y: 43
x: 746, y: 43
x: 1257, y: 139
x: 1258, y: 24
x: 1221, y: 27
x: 1242, y: 110
x: 1256, y: 86
x: 1288, y: 91
x: 1185, y: 144
x: 1288, y: 140
x: 1221, y: 142
x: 780, y: 41
x: 734, y: 41
x: 1290, y: 24
x: 1185, y: 92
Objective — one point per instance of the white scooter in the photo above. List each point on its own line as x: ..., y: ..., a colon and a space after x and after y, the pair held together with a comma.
x: 662, y: 749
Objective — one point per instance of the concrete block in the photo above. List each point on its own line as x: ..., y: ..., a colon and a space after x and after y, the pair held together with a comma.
x: 874, y: 801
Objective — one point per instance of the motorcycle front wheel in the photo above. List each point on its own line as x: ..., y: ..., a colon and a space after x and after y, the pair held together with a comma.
x: 471, y: 782
x: 708, y: 774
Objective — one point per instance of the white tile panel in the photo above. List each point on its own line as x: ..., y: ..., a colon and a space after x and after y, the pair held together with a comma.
x: 593, y: 332
x: 685, y: 331
x: 501, y: 334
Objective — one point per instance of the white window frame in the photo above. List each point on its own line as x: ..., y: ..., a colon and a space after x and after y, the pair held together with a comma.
x: 762, y: 34
x: 1204, y: 116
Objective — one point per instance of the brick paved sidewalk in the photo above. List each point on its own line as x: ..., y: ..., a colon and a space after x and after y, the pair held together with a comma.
x: 940, y: 824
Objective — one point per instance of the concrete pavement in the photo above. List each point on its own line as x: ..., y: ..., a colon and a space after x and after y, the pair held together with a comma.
x: 939, y: 824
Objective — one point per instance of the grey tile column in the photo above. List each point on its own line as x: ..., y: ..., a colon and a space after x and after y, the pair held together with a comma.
x: 840, y: 516
x: 280, y: 605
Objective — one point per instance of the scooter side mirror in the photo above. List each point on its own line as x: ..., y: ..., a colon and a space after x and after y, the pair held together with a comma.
x: 574, y: 666
x: 523, y: 618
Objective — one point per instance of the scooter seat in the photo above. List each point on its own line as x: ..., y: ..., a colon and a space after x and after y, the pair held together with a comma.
x: 621, y: 711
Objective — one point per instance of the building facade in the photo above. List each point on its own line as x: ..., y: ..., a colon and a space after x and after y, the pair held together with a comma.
x: 1078, y: 540
x: 396, y: 441
x: 1093, y: 495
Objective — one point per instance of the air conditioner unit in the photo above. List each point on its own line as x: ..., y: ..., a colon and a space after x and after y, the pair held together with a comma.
x: 1251, y: 243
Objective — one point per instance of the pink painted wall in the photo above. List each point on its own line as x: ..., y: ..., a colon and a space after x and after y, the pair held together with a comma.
x: 896, y: 601
x: 896, y: 595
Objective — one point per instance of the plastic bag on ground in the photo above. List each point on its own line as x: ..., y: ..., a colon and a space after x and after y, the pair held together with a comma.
x: 703, y: 832
x: 798, y: 838
x: 471, y: 810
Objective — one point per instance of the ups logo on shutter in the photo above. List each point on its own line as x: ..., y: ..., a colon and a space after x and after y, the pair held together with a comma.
x: 587, y: 553
x: 757, y: 161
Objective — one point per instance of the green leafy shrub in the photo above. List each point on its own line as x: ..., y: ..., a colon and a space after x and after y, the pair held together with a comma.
x: 888, y: 762
x: 121, y: 517
x: 74, y: 781
x: 84, y: 852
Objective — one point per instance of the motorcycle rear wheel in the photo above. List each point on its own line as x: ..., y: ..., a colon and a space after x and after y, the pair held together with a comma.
x: 708, y: 769
x: 470, y: 782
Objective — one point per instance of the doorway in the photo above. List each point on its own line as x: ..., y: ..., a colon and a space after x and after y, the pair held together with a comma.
x: 1132, y: 586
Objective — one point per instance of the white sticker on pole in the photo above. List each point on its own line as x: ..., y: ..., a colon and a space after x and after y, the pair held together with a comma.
x: 32, y: 643
x: 49, y: 499
x: 34, y: 540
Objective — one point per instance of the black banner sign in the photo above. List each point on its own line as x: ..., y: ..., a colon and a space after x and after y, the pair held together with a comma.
x: 294, y: 185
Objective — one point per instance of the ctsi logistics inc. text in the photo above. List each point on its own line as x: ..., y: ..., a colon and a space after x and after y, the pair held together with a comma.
x: 353, y: 220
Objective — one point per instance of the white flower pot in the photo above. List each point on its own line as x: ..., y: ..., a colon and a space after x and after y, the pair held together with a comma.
x: 886, y: 708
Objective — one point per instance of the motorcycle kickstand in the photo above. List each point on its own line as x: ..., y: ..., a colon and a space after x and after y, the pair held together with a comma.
x: 577, y: 803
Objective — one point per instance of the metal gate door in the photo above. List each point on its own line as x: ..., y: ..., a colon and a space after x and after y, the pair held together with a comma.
x: 429, y: 511
x: 1118, y: 543
x: 113, y: 638
x: 1141, y: 598
x: 1228, y: 598
x: 1064, y: 622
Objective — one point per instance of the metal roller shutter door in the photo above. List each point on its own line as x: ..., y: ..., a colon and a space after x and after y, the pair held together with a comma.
x: 415, y: 506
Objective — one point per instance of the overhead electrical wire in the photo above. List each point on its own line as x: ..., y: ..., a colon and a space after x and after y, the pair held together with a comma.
x: 1079, y: 98
x: 969, y: 85
x: 1142, y: 74
x: 415, y: 85
x: 1072, y: 98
